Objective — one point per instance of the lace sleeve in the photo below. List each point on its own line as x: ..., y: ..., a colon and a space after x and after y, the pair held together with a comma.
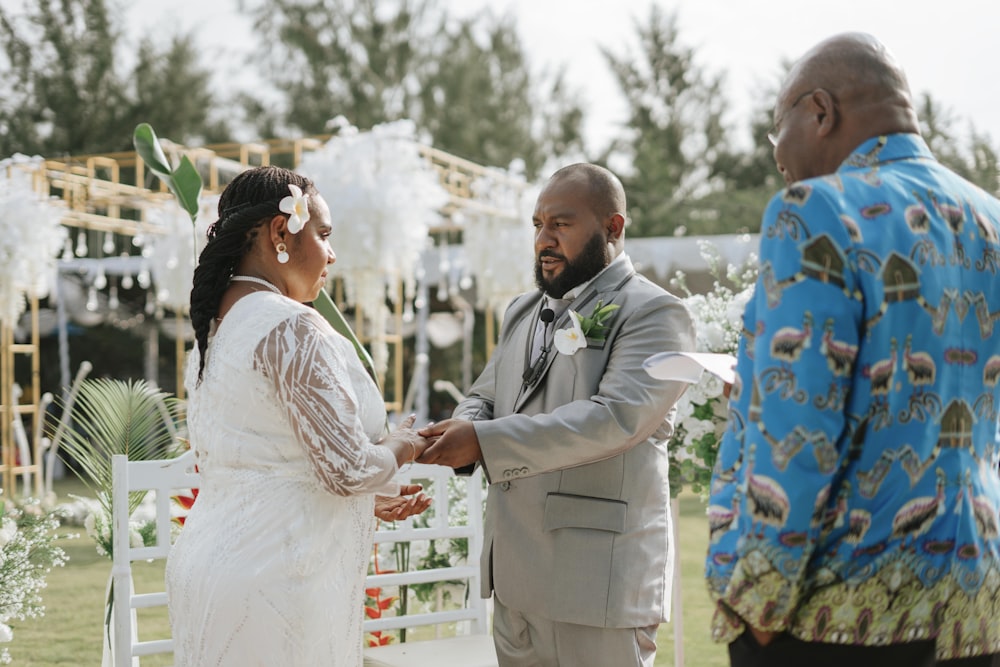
x: 314, y: 389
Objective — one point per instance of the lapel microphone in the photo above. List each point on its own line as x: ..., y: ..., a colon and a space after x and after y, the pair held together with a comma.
x: 533, y: 372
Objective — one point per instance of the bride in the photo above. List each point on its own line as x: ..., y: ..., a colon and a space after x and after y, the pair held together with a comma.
x: 287, y: 427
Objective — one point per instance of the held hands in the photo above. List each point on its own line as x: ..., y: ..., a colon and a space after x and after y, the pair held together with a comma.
x: 407, y: 503
x: 454, y: 443
x: 405, y: 442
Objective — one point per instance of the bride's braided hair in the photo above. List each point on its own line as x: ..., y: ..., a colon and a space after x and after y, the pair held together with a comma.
x: 250, y: 200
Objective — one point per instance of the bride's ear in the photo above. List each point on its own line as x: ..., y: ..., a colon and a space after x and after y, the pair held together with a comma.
x: 277, y: 229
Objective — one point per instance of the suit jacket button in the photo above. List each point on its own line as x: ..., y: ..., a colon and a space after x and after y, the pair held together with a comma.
x: 504, y: 486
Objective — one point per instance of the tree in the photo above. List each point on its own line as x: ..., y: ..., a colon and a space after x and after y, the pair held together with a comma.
x: 749, y: 180
x: 985, y: 164
x: 675, y: 133
x: 976, y: 161
x: 61, y: 63
x: 467, y: 83
x: 361, y: 59
x: 172, y: 92
x: 68, y: 95
x: 479, y: 102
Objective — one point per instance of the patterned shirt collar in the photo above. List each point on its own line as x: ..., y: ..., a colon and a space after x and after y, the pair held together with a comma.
x: 886, y: 148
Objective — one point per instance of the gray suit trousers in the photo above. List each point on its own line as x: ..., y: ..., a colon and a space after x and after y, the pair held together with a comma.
x: 529, y: 640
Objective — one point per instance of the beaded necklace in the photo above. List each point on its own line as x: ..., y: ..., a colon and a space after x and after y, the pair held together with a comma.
x: 259, y: 281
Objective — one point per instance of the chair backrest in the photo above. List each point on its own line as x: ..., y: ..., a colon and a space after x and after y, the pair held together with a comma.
x: 446, y: 521
x: 165, y: 478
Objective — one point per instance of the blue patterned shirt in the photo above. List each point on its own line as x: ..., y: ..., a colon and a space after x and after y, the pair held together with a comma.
x: 856, y: 494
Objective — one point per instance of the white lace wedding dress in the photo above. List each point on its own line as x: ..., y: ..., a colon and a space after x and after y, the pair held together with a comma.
x: 269, y: 568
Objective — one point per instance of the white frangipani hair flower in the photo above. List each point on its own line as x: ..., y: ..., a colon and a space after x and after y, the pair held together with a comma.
x: 296, y: 205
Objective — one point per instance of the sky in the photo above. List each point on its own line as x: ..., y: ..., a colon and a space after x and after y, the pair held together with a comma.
x: 946, y: 48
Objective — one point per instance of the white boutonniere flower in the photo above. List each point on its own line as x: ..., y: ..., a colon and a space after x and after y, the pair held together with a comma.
x: 593, y: 327
x: 572, y: 338
x: 296, y: 205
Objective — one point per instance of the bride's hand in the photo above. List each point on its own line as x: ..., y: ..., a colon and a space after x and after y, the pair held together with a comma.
x: 407, y: 503
x: 406, y: 443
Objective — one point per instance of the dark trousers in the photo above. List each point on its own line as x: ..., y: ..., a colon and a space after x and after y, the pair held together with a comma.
x: 787, y: 651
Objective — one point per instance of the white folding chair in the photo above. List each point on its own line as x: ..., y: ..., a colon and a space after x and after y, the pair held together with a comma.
x: 471, y: 645
x: 165, y: 478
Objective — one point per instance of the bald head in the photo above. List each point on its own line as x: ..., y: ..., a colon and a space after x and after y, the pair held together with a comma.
x: 858, y: 69
x: 845, y: 90
x: 606, y: 194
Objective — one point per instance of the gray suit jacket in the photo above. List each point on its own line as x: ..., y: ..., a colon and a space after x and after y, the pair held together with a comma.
x: 577, y: 519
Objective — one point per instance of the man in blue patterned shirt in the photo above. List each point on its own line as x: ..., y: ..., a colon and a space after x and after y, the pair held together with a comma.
x: 854, y: 507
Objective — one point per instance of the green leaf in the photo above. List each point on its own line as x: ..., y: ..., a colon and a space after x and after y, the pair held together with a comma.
x: 184, y: 182
x: 148, y: 147
x: 604, y: 312
x: 117, y: 417
x: 186, y: 186
x: 328, y: 309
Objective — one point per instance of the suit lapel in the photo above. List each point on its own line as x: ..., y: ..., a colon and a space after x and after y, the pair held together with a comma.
x: 517, y: 347
x: 605, y: 285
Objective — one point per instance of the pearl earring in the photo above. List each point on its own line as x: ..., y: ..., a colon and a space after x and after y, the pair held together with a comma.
x: 282, y: 253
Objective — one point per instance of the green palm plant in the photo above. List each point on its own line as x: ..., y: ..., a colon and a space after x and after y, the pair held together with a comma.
x: 119, y: 417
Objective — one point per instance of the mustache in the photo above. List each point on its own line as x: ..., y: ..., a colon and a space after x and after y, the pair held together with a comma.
x: 552, y: 254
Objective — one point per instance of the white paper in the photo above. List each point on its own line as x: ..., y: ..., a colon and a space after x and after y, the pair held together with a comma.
x: 688, y: 366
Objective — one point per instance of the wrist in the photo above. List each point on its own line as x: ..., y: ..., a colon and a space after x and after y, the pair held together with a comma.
x: 406, y: 454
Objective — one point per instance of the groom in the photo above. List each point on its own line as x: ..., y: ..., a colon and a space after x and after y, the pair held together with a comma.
x: 571, y: 438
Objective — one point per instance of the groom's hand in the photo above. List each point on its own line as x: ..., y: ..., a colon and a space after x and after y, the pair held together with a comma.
x: 453, y: 443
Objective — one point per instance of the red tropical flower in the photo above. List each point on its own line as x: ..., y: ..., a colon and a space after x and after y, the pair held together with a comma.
x: 186, y: 502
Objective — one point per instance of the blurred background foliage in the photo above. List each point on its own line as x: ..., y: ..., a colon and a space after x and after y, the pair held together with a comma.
x: 76, y: 83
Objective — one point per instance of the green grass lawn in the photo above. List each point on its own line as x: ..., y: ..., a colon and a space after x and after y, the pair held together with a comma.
x: 70, y: 631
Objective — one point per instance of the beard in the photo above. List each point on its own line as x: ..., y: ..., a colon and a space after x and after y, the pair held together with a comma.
x: 591, y: 261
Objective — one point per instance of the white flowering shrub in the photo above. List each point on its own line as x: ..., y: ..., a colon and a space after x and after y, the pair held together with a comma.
x: 27, y: 554
x: 703, y: 409
x: 142, y: 525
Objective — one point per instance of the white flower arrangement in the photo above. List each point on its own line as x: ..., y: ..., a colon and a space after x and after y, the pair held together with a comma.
x: 31, y: 236
x: 27, y: 554
x: 703, y: 409
x: 142, y: 529
x: 497, y: 238
x: 170, y: 256
x: 384, y: 198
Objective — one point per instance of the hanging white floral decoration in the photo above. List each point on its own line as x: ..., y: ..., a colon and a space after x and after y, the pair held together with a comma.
x: 170, y: 255
x: 31, y: 237
x: 384, y: 197
x: 498, y: 238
